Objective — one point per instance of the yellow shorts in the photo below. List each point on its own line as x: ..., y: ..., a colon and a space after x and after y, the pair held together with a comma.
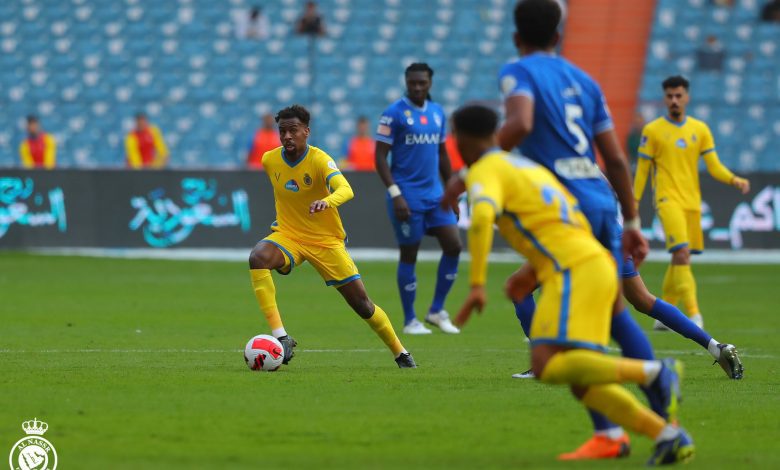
x: 333, y: 263
x: 681, y: 227
x: 575, y: 305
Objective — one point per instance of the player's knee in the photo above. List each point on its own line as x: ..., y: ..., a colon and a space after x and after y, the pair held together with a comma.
x: 578, y: 391
x: 259, y: 259
x: 681, y: 256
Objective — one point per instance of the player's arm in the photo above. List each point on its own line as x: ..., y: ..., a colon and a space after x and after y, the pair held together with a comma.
x: 133, y: 154
x: 723, y: 174
x: 480, y: 240
x: 341, y: 192
x: 384, y: 141
x: 26, y: 156
x: 50, y: 153
x: 160, y: 147
x: 445, y: 167
x: 519, y: 122
x: 640, y: 179
x: 616, y: 167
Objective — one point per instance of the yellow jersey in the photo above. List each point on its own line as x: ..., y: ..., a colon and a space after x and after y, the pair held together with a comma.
x: 314, y: 176
x: 534, y: 212
x: 673, y: 150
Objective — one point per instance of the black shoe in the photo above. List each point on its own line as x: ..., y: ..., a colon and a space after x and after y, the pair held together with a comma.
x: 729, y: 361
x: 288, y: 343
x: 405, y: 361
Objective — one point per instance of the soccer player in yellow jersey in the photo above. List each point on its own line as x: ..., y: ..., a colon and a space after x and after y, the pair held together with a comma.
x: 541, y: 220
x: 308, y: 189
x: 669, y: 150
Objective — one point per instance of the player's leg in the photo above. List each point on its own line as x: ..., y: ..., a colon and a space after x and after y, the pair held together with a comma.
x: 443, y: 225
x: 408, y: 234
x: 273, y: 252
x: 678, y: 282
x: 354, y: 293
x: 519, y: 289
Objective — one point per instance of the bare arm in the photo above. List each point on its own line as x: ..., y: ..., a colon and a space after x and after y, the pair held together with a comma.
x: 519, y: 121
x: 382, y: 168
x: 445, y: 168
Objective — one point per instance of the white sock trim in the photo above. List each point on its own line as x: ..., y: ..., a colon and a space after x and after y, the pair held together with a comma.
x: 652, y: 369
x: 667, y: 433
x: 613, y: 433
x: 279, y: 332
x: 713, y: 348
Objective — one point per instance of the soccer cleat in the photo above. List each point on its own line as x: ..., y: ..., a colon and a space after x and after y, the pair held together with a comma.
x: 529, y: 374
x: 442, y: 320
x: 729, y: 361
x: 600, y: 447
x: 677, y: 450
x: 405, y: 361
x: 658, y: 326
x: 416, y: 328
x: 288, y: 344
x: 664, y: 393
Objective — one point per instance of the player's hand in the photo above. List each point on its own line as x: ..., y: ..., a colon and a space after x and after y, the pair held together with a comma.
x: 401, y: 209
x: 317, y: 206
x: 477, y: 299
x: 635, y: 246
x: 455, y: 187
x: 742, y: 184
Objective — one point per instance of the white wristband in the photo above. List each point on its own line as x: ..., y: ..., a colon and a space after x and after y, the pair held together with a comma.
x: 633, y: 224
x: 463, y: 173
x: 394, y: 191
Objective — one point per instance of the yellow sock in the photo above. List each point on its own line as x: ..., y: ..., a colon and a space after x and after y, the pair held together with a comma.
x: 583, y: 367
x: 686, y: 287
x: 384, y: 329
x: 623, y: 408
x: 265, y: 292
x: 669, y: 289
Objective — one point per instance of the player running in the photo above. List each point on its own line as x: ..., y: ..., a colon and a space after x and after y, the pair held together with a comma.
x: 671, y: 146
x: 308, y: 189
x: 541, y: 220
x: 413, y: 129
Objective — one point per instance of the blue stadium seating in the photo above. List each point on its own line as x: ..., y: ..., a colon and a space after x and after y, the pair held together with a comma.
x: 741, y: 102
x: 86, y: 66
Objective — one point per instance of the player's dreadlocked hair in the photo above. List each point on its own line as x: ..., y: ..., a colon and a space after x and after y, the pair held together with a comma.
x: 420, y: 67
x: 294, y: 111
x: 536, y: 21
x: 475, y: 120
x: 675, y: 81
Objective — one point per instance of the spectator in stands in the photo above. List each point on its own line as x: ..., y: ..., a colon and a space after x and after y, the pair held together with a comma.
x: 266, y: 138
x: 360, y: 149
x: 456, y: 161
x: 39, y: 149
x: 771, y: 12
x: 710, y: 55
x: 723, y: 3
x: 145, y: 146
x: 254, y: 25
x: 311, y: 22
x: 633, y: 138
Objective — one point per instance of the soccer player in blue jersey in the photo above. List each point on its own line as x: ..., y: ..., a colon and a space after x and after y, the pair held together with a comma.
x: 554, y: 115
x: 412, y: 130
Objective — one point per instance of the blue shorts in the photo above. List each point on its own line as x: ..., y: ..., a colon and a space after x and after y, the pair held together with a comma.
x: 608, y: 232
x: 419, y: 223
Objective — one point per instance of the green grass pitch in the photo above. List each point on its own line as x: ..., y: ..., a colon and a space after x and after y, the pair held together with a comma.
x: 138, y: 364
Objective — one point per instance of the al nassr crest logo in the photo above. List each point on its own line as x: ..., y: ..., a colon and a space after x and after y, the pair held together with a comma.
x: 33, y: 452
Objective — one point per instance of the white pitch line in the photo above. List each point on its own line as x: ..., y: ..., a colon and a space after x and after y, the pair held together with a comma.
x: 671, y: 352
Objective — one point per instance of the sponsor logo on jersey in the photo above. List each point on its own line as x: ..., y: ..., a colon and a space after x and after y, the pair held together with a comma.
x: 577, y: 168
x: 383, y: 129
x: 414, y: 139
x: 508, y: 84
x: 424, y: 120
x: 332, y: 165
x: 681, y: 143
x: 292, y: 185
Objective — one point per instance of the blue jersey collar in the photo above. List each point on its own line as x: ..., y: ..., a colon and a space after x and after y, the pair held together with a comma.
x: 291, y: 164
x: 678, y: 124
x: 412, y: 105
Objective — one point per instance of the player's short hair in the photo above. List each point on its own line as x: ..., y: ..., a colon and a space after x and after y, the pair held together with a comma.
x: 294, y: 111
x: 676, y: 80
x: 140, y: 115
x: 476, y: 120
x: 32, y: 118
x: 419, y: 67
x: 536, y: 21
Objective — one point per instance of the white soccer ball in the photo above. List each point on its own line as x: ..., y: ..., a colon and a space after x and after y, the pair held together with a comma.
x: 264, y: 352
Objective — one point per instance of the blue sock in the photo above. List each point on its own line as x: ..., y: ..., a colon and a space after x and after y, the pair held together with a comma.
x: 600, y: 422
x: 629, y: 336
x: 525, y: 313
x: 407, y: 287
x: 672, y: 317
x: 445, y: 277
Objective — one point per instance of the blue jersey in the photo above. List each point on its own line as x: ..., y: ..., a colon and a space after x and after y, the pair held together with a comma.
x: 414, y: 134
x: 569, y: 111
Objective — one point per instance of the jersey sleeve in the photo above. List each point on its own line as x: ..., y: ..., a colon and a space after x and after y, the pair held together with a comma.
x: 514, y: 80
x: 388, y: 126
x: 486, y: 197
x: 707, y: 141
x: 646, y: 148
x: 336, y: 183
x: 602, y: 119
